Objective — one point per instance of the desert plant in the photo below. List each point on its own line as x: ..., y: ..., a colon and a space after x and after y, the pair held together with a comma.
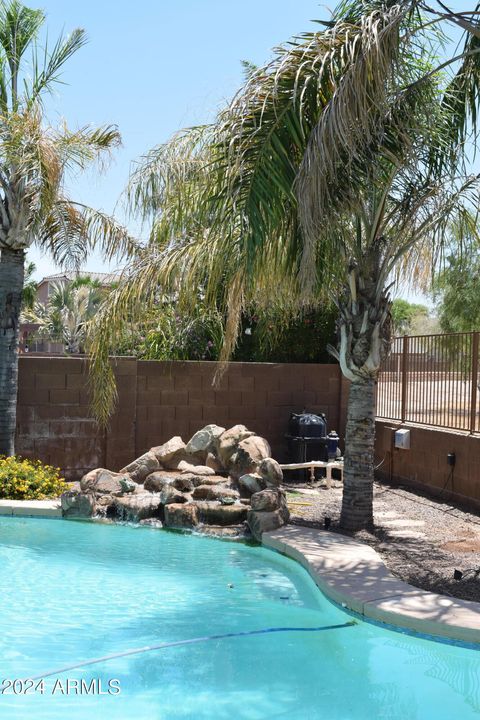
x: 22, y: 479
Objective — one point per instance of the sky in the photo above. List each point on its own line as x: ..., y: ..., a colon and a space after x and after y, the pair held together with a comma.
x: 154, y: 67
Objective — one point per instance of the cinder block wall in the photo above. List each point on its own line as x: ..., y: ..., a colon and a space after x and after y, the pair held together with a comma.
x: 160, y: 399
x: 425, y: 463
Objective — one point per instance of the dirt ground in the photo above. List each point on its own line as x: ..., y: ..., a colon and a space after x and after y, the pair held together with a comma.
x: 422, y: 540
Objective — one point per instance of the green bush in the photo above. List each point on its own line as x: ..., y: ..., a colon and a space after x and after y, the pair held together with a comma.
x: 29, y: 480
x: 281, y: 337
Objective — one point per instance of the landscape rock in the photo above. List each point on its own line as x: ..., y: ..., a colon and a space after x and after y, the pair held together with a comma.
x: 137, y: 507
x: 171, y: 495
x: 248, y: 456
x: 251, y: 483
x: 266, y: 500
x: 214, y: 492
x: 208, y: 480
x: 227, y: 531
x: 152, y: 522
x: 103, y: 502
x: 214, y: 513
x: 271, y: 472
x: 203, y: 442
x: 88, y: 481
x: 182, y: 457
x: 156, y: 481
x: 168, y: 453
x: 76, y: 504
x: 186, y: 467
x: 140, y: 468
x: 214, y: 463
x: 181, y: 516
x: 227, y: 443
x: 183, y: 484
x: 260, y: 522
x: 105, y: 482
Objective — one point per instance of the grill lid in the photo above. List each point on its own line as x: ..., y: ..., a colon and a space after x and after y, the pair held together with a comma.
x: 307, y: 425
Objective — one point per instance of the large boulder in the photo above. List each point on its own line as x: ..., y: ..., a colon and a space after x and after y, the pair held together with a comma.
x: 203, y: 442
x: 248, y: 456
x: 181, y: 516
x: 214, y: 513
x: 227, y: 443
x: 105, y: 482
x: 171, y: 496
x: 88, y: 481
x: 105, y: 506
x: 168, y: 453
x: 156, y: 481
x: 183, y: 484
x: 76, y: 504
x: 186, y: 467
x: 214, y: 463
x: 214, y: 492
x: 269, y: 512
x: 208, y: 479
x: 271, y: 472
x: 142, y: 466
x: 267, y: 500
x: 137, y: 507
x: 251, y: 483
x: 260, y: 522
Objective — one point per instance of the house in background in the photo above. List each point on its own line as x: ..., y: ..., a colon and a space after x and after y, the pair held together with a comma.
x: 28, y: 340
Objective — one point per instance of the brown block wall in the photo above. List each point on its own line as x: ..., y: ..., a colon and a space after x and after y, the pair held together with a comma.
x: 179, y: 398
x: 160, y: 399
x: 425, y: 465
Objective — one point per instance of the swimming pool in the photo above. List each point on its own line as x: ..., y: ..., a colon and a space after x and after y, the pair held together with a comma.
x: 77, y: 591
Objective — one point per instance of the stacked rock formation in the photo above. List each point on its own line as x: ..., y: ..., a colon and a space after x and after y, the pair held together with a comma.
x: 219, y: 478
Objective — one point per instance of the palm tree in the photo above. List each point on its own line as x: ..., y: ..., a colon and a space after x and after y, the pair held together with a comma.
x: 69, y: 309
x: 333, y: 166
x: 34, y: 159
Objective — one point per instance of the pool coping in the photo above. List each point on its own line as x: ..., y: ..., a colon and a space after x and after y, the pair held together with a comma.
x: 31, y: 508
x: 353, y: 575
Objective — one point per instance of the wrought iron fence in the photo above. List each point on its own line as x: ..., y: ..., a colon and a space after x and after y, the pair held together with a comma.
x: 432, y: 380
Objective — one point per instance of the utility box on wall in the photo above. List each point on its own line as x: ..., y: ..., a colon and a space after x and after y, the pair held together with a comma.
x: 402, y: 439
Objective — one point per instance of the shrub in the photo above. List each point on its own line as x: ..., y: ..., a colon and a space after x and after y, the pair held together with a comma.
x: 29, y: 480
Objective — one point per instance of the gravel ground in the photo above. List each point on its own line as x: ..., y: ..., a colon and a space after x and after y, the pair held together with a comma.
x: 422, y: 540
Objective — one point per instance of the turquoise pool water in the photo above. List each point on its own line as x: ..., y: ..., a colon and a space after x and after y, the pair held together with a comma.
x: 76, y: 591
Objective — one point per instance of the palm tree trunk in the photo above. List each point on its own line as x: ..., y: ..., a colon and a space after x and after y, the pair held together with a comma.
x: 357, y: 503
x: 11, y: 285
x: 364, y: 326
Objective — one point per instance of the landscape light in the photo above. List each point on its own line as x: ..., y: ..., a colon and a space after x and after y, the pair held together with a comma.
x: 458, y: 574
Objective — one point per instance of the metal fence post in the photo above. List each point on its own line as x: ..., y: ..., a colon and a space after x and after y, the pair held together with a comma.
x: 474, y: 374
x: 403, y: 411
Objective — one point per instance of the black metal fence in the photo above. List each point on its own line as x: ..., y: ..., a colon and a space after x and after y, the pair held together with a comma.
x: 432, y: 380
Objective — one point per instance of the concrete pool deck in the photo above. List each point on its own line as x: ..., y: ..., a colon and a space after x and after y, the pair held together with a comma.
x: 31, y: 508
x: 353, y: 575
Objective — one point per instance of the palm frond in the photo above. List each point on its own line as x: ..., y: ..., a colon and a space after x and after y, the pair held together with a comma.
x: 71, y: 230
x: 44, y: 77
x: 352, y: 123
x: 103, y: 232
x: 463, y: 93
x: 81, y: 147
